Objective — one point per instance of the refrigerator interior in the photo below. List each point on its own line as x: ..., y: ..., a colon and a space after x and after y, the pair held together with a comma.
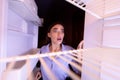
x: 101, y: 36
x: 19, y: 33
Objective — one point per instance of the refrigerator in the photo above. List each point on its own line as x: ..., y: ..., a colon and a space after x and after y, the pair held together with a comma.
x: 19, y: 36
x: 19, y: 24
x: 101, y: 39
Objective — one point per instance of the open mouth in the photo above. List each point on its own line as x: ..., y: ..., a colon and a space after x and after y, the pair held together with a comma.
x: 59, y: 39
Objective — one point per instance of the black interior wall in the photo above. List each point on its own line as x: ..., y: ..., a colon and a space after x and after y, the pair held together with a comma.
x: 60, y: 10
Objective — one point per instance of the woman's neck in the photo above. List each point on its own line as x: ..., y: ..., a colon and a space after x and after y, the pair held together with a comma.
x: 55, y: 48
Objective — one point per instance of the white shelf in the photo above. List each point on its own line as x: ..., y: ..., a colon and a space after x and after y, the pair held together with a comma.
x: 26, y: 9
x: 22, y: 72
x: 21, y: 69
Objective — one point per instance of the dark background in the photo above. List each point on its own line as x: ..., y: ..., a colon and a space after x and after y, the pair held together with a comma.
x: 60, y: 10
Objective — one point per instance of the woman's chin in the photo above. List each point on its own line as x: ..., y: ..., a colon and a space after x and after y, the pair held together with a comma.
x: 58, y: 43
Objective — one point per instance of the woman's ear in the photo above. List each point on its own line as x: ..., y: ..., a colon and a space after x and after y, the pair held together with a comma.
x: 48, y: 35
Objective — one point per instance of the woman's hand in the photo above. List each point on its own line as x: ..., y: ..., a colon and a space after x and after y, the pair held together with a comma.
x: 38, y: 75
x: 80, y: 46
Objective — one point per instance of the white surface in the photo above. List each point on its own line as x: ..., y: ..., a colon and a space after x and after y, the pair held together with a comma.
x: 16, y: 37
x: 16, y: 23
x: 3, y: 34
x: 93, y: 31
x: 108, y: 60
x: 111, y: 38
x: 23, y: 72
x: 27, y: 9
x: 93, y: 35
x: 19, y: 38
x: 111, y: 32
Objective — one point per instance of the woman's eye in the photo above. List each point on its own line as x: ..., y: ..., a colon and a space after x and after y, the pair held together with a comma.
x: 54, y: 30
x: 62, y: 31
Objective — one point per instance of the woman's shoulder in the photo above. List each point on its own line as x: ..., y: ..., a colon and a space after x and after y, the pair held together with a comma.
x: 67, y: 47
x: 44, y: 48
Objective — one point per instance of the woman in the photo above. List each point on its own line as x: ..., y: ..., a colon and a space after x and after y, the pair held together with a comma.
x: 56, y: 36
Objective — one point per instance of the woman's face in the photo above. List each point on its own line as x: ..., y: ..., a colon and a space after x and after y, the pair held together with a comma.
x: 56, y: 34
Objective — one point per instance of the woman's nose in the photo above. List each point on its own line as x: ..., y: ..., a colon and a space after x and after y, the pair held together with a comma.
x: 59, y: 33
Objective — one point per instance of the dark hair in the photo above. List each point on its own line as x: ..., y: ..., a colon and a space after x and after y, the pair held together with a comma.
x: 48, y: 40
